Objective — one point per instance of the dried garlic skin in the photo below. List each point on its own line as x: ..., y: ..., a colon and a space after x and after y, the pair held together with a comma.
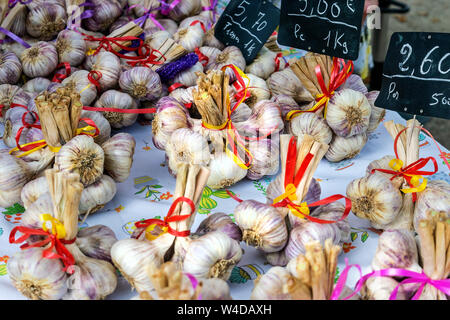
x: 119, y: 152
x: 266, y: 160
x: 95, y: 196
x: 269, y: 286
x: 285, y: 82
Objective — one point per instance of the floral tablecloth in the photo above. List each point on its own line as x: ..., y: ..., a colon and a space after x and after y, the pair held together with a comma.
x: 148, y: 193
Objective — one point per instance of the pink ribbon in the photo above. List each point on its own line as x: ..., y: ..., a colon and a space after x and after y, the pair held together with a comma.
x: 411, y: 277
x: 194, y: 283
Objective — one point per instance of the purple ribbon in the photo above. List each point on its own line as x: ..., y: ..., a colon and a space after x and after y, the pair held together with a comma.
x: 85, y: 15
x: 148, y: 14
x: 411, y: 277
x: 14, y: 37
x: 166, y: 8
x: 212, y: 8
x: 194, y: 283
x: 12, y: 3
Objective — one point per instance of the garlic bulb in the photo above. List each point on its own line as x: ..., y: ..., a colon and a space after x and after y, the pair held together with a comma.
x: 118, y: 100
x: 356, y: 83
x: 189, y: 38
x: 375, y: 198
x: 194, y: 21
x: 265, y: 158
x: 435, y: 197
x: 211, y: 40
x: 36, y: 277
x: 270, y: 285
x: 83, y: 156
x: 213, y: 255
x: 183, y: 95
x: 307, y: 232
x: 277, y: 258
x: 215, y: 289
x: 36, y: 85
x: 380, y: 288
x: 33, y: 190
x: 334, y: 211
x: 100, y: 121
x: 141, y: 83
x: 40, y: 60
x: 286, y: 104
x: 241, y: 113
x: 345, y: 148
x: 189, y: 77
x: 140, y: 7
x: 311, y: 124
x: 377, y: 114
x: 258, y: 90
x: 79, y: 82
x: 265, y: 64
x: 184, y: 9
x: 119, y: 151
x: 211, y: 53
x: 71, y: 47
x: 45, y: 21
x: 156, y: 39
x: 170, y: 116
x: 348, y: 113
x: 222, y: 222
x: 105, y: 12
x: 96, y: 195
x: 96, y: 242
x: 14, y: 174
x: 285, y: 82
x: 108, y: 64
x: 10, y: 68
x: 262, y: 226
x: 13, y: 124
x: 224, y: 171
x: 396, y: 249
x: 229, y: 55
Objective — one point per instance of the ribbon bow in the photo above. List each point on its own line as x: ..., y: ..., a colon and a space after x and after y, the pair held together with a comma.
x: 147, y: 15
x: 411, y: 173
x: 150, y: 224
x: 411, y: 277
x: 55, y: 238
x: 292, y: 180
x: 339, y: 74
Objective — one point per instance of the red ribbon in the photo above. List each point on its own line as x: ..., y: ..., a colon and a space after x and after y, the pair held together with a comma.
x: 339, y: 74
x: 59, y: 76
x: 278, y: 62
x: 58, y: 244
x: 176, y: 86
x: 203, y: 59
x: 106, y: 43
x: 240, y: 90
x: 412, y: 169
x: 138, y: 111
x: 149, y: 60
x: 27, y: 125
x: 193, y: 23
x: 169, y: 218
x: 95, y: 81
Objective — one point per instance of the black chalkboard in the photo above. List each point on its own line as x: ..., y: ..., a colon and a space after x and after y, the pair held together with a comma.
x: 247, y: 24
x: 329, y: 27
x: 416, y: 74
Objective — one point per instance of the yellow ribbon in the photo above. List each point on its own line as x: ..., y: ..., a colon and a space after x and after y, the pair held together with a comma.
x: 85, y: 88
x: 90, y: 52
x: 57, y: 227
x: 150, y: 236
x: 418, y: 186
x: 322, y: 99
x: 291, y: 193
x: 85, y: 130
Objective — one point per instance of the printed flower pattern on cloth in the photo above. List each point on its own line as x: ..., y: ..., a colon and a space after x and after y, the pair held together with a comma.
x: 166, y: 196
x: 207, y: 203
x: 245, y: 273
x: 364, y: 235
x: 3, y: 262
x: 262, y: 184
x: 129, y: 227
x: 119, y: 208
x: 14, y: 213
x: 347, y: 247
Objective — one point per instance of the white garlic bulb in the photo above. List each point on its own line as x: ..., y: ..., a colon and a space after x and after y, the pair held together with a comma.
x: 96, y: 195
x: 14, y: 174
x: 285, y: 82
x: 189, y: 38
x: 108, y: 64
x: 266, y: 161
x: 141, y: 83
x: 10, y: 68
x: 40, y: 60
x: 215, y: 289
x: 265, y: 64
x: 46, y: 20
x: 345, y: 148
x: 188, y: 77
x: 270, y: 285
x: 262, y: 226
x: 33, y: 190
x: 83, y: 156
x: 71, y: 47
x: 36, y: 85
x: 118, y: 100
x: 119, y: 151
x: 219, y: 221
x: 211, y: 53
x: 184, y: 9
x: 213, y: 255
x: 375, y: 198
x: 156, y: 39
x: 79, y: 82
x: 380, y: 288
x: 184, y: 95
x: 224, y: 171
x: 310, y: 124
x: 230, y: 55
x: 348, y: 113
x: 100, y: 121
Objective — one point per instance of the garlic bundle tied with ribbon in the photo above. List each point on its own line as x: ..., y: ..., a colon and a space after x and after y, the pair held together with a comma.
x: 61, y: 270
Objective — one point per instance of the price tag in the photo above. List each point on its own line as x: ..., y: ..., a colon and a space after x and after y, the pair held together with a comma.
x: 247, y: 24
x: 416, y: 74
x: 330, y: 27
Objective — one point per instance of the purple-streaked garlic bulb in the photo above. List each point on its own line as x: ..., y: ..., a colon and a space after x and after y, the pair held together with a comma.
x: 100, y: 121
x: 96, y: 242
x: 377, y: 115
x: 285, y: 82
x: 117, y: 100
x: 396, y: 249
x: 170, y: 116
x: 286, y: 104
x: 13, y: 123
x: 10, y: 68
x: 333, y: 212
x: 96, y: 195
x: 40, y: 60
x: 141, y: 83
x: 119, y: 152
x: 277, y: 258
x: 210, y: 40
x: 11, y: 94
x: 168, y: 25
x: 265, y: 63
x: 108, y: 64
x: 266, y: 155
x: 71, y: 47
x: 120, y: 22
x: 229, y: 55
x: 219, y: 221
x: 36, y: 85
x: 189, y: 77
x: 183, y: 9
x: 310, y: 231
x: 354, y: 82
x: 46, y: 21
x: 262, y: 226
x: 105, y: 12
x: 257, y: 89
x: 183, y: 95
x: 189, y: 38
x: 348, y: 113
x: 346, y: 148
x: 435, y: 198
x: 79, y: 82
x: 311, y: 124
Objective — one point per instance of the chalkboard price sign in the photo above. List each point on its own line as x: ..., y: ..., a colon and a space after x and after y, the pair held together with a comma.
x: 416, y: 74
x: 247, y: 24
x: 330, y: 27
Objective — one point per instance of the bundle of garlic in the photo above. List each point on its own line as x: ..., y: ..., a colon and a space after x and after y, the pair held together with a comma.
x: 386, y: 196
x: 332, y: 105
x: 399, y: 274
x: 308, y: 276
x: 62, y: 270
